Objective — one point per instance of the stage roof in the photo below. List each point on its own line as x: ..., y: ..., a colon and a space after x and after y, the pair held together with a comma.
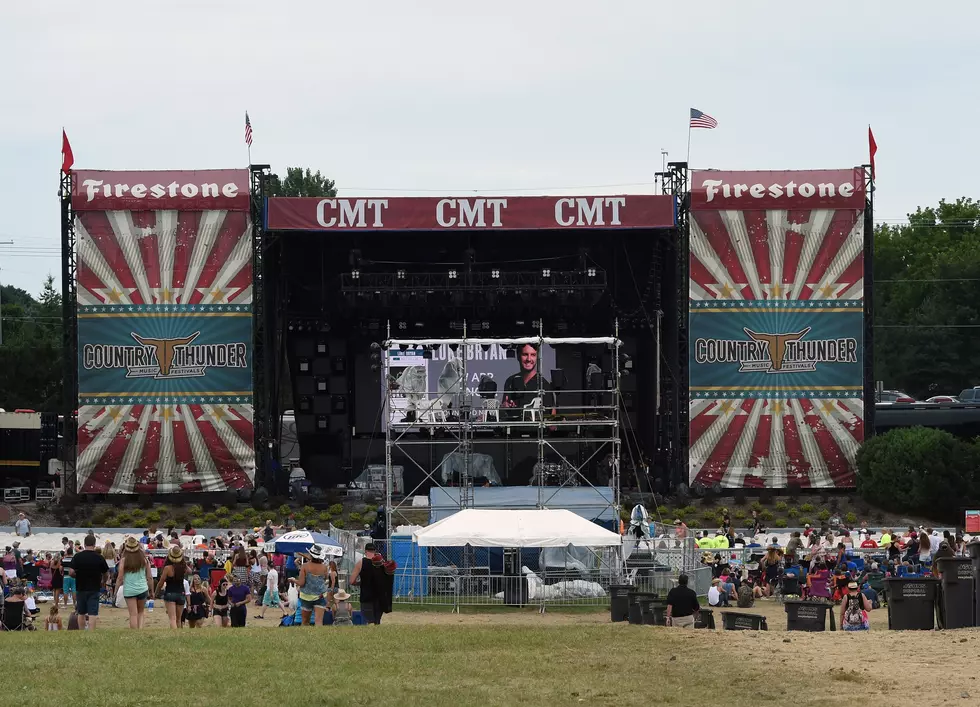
x: 490, y: 213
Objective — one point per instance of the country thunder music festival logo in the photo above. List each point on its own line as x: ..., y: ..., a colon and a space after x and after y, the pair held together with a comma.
x: 163, y: 359
x: 787, y: 352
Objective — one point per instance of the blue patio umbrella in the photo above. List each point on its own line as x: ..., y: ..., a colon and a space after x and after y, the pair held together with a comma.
x: 301, y: 540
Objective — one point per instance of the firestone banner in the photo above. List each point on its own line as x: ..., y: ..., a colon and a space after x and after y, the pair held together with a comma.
x: 776, y: 328
x: 164, y: 331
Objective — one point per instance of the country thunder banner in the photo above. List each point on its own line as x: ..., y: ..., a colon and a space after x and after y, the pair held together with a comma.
x: 164, y: 281
x: 776, y: 328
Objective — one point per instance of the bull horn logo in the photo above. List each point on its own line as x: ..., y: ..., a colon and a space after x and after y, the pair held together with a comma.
x: 165, y: 348
x: 777, y: 344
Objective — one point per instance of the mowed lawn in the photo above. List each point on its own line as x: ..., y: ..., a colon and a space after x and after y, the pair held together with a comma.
x: 483, y: 660
x: 388, y: 665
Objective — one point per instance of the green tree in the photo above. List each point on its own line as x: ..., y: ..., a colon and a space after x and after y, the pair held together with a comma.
x: 300, y: 182
x: 927, y: 299
x: 31, y: 354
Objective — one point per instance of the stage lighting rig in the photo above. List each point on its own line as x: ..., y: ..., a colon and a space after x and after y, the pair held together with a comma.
x: 495, y: 274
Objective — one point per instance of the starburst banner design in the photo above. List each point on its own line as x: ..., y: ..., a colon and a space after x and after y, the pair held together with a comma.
x: 776, y: 328
x: 164, y: 283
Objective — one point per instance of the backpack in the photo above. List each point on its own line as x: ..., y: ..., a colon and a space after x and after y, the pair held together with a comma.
x: 745, y: 598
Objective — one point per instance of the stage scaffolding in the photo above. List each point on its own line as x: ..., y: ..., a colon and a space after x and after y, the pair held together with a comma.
x: 470, y: 422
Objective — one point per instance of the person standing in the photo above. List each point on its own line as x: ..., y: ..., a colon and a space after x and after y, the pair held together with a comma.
x: 271, y: 595
x: 23, y: 526
x: 136, y: 580
x: 171, y: 584
x: 238, y: 597
x: 312, y: 583
x: 91, y: 571
x: 219, y: 604
x: 682, y: 604
x: 68, y: 583
x: 854, y: 609
x: 375, y: 585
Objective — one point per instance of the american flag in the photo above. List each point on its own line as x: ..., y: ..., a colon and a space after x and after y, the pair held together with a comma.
x: 753, y: 439
x: 248, y: 130
x: 698, y: 120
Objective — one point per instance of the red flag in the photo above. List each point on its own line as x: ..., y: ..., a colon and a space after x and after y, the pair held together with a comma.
x: 872, y: 148
x: 67, y: 158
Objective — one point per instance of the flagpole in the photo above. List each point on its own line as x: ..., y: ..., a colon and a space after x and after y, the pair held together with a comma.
x: 689, y: 142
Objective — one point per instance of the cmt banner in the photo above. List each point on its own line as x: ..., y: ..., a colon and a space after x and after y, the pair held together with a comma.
x: 776, y: 328
x: 164, y: 331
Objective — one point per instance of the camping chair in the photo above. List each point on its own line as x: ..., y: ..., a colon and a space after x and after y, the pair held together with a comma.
x: 44, y: 579
x: 14, y: 617
x: 789, y: 585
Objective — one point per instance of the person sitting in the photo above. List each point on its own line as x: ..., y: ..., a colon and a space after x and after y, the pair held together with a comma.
x: 719, y: 595
x: 818, y: 583
x: 342, y: 609
x: 869, y: 542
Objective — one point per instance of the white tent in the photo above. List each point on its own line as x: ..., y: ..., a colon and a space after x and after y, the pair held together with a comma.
x: 498, y: 528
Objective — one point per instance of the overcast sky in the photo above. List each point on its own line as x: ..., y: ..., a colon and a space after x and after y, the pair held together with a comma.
x: 451, y: 96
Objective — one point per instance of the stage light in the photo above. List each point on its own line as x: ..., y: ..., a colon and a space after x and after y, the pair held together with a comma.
x: 495, y: 274
x: 454, y: 347
x: 486, y: 325
x: 402, y: 326
x: 355, y: 274
x: 401, y: 274
x: 291, y: 326
x: 546, y: 272
x: 452, y: 274
x: 419, y: 325
x: 403, y: 347
x: 590, y: 272
x: 485, y: 347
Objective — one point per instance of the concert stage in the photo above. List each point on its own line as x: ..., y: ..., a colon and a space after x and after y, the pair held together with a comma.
x: 380, y: 310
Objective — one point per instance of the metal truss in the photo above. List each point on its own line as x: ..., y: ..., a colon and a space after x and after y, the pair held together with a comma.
x: 471, y: 426
x: 69, y: 339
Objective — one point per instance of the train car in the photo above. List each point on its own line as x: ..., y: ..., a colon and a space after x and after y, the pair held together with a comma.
x: 28, y: 441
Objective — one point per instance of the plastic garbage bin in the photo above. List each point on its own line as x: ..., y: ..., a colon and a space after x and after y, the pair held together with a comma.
x: 804, y: 615
x: 737, y: 621
x: 705, y: 619
x: 635, y: 612
x: 957, y: 598
x: 911, y: 603
x: 653, y: 611
x: 619, y: 602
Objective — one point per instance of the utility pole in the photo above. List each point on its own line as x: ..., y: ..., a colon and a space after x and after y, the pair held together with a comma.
x: 1, y: 297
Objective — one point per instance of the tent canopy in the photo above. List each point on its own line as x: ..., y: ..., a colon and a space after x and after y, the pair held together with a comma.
x: 499, y: 528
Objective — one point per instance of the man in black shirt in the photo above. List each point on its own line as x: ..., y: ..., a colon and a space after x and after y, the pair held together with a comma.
x: 682, y: 603
x: 90, y: 570
x: 521, y: 388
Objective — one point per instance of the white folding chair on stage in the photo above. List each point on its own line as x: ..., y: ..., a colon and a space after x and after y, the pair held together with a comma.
x: 533, y: 409
x: 491, y: 409
x: 433, y: 411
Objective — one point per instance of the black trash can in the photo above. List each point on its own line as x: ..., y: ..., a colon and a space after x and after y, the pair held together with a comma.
x: 958, y: 603
x: 974, y: 549
x: 911, y: 603
x: 653, y: 611
x: 737, y: 621
x: 804, y: 615
x: 515, y: 591
x: 635, y: 613
x: 705, y: 619
x: 619, y: 601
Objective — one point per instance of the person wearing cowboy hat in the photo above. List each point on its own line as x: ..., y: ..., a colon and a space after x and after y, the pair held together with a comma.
x: 312, y: 583
x: 136, y: 580
x: 342, y: 609
x: 171, y: 584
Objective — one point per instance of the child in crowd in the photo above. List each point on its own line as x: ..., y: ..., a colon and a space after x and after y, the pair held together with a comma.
x: 342, y: 609
x: 53, y: 622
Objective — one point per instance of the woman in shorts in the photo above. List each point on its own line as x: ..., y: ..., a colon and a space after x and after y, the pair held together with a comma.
x: 197, y: 612
x: 219, y: 604
x: 171, y: 585
x: 312, y: 582
x: 135, y: 579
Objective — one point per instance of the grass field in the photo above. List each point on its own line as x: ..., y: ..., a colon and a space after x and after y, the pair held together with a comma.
x: 485, y: 659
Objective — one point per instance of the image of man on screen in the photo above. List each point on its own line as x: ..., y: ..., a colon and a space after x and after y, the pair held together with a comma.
x: 521, y: 388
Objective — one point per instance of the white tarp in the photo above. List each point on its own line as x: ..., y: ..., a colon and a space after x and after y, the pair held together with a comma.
x: 499, y: 528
